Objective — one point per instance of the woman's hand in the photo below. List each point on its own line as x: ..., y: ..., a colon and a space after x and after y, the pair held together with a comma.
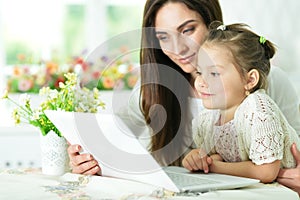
x: 197, y: 159
x: 82, y: 163
x: 291, y: 177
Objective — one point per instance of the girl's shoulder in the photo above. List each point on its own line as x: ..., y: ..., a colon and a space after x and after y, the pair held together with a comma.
x: 257, y: 99
x: 256, y: 104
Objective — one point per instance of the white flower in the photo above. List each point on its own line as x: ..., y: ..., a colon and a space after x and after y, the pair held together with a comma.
x: 44, y: 91
x: 36, y: 115
x: 5, y: 94
x: 96, y: 93
x: 71, y: 80
x: 61, y: 85
x: 24, y: 99
x: 53, y: 94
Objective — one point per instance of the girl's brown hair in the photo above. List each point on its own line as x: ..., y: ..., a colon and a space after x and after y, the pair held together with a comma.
x: 249, y: 50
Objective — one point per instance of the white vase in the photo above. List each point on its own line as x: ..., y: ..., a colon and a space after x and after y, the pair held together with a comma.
x: 55, y: 159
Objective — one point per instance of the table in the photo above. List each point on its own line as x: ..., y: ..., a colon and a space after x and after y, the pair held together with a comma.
x: 31, y: 184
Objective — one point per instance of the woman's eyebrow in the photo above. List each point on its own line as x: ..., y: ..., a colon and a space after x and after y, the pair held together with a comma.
x: 185, y: 23
x: 178, y: 28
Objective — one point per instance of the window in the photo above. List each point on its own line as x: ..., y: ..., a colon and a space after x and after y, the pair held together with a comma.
x: 55, y: 28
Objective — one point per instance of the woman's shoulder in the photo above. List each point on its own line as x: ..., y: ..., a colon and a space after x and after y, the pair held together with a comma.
x: 277, y: 73
x: 278, y: 82
x: 284, y: 94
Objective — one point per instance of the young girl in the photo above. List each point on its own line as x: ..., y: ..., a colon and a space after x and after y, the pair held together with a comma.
x: 242, y: 132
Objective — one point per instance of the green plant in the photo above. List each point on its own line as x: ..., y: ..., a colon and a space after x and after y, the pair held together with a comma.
x: 69, y: 97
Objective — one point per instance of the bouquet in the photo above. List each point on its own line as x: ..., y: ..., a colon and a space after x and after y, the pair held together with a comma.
x: 27, y: 78
x: 108, y: 71
x: 69, y: 97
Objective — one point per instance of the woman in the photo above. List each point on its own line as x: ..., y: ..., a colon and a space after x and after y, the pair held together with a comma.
x: 291, y: 177
x: 185, y: 22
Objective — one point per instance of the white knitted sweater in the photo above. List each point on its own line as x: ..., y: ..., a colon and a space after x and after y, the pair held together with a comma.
x: 259, y: 132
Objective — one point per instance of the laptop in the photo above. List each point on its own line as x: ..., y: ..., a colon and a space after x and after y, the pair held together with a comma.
x: 121, y: 155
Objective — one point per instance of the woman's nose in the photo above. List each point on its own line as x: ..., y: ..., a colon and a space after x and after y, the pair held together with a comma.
x: 180, y: 47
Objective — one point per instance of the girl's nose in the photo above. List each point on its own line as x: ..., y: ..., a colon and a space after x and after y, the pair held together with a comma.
x: 200, y: 82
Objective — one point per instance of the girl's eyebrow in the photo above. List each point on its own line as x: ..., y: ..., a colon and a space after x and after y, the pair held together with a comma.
x: 210, y: 66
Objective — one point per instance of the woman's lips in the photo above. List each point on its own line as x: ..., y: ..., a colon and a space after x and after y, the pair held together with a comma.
x: 187, y: 59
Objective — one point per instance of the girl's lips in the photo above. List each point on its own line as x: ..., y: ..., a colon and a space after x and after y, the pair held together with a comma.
x: 187, y: 59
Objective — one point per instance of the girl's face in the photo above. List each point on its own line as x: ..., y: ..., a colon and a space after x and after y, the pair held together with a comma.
x: 180, y: 32
x: 218, y: 83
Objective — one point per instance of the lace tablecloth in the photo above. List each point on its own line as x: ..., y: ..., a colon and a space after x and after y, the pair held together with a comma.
x: 31, y: 184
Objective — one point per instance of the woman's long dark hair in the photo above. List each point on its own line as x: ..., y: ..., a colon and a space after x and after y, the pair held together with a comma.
x: 156, y: 67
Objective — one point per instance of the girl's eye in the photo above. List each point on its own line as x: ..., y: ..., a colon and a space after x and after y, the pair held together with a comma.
x: 188, y: 30
x: 215, y: 74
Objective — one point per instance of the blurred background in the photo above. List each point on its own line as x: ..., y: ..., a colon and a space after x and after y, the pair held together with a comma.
x: 36, y: 31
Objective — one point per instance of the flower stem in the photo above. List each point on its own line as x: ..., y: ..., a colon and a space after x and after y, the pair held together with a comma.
x: 21, y: 107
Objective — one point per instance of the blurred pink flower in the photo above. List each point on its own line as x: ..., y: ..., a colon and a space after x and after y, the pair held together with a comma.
x: 25, y: 84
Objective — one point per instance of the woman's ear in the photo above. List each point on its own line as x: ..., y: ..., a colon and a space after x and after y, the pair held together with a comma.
x: 252, y: 79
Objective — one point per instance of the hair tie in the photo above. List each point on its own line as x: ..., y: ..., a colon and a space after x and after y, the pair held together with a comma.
x: 221, y: 27
x: 262, y: 40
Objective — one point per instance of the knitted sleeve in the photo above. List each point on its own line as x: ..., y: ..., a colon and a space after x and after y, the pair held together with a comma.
x: 261, y: 128
x: 202, y: 128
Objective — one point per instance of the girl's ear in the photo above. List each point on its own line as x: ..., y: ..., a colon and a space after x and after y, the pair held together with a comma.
x: 252, y: 79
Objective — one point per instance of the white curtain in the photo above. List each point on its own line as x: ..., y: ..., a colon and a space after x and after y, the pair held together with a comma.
x: 275, y: 19
x: 96, y: 23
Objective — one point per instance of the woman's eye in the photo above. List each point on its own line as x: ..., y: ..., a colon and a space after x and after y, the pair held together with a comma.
x: 162, y: 37
x: 199, y: 73
x: 188, y: 30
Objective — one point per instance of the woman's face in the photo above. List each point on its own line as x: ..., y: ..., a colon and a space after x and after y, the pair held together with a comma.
x: 180, y: 32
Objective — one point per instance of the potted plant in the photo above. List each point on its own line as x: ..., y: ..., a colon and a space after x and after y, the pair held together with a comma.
x: 69, y: 97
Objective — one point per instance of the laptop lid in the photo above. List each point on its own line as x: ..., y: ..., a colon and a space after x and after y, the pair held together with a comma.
x: 121, y: 155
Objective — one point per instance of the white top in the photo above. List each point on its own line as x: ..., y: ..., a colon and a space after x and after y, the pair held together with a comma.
x: 259, y: 132
x: 279, y: 89
x: 284, y: 94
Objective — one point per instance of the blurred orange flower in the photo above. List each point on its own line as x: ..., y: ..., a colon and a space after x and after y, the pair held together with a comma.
x: 51, y: 67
